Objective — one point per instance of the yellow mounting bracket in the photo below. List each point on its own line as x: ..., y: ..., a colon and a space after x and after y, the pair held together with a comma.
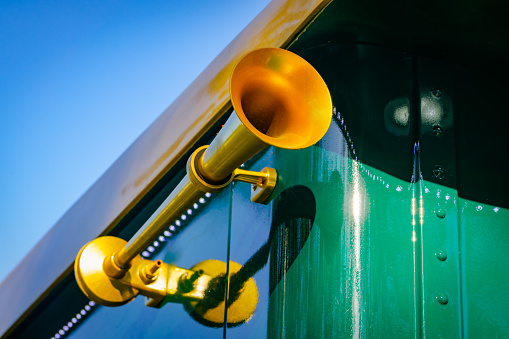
x: 153, y: 279
x: 201, y: 289
x: 262, y: 183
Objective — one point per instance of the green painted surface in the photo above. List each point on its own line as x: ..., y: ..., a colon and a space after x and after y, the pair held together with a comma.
x: 441, y: 305
x: 354, y: 277
x: 385, y: 257
x: 484, y: 269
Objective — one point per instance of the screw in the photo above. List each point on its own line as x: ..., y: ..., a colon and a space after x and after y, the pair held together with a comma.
x: 438, y: 172
x: 437, y: 130
x: 436, y: 92
x: 148, y: 273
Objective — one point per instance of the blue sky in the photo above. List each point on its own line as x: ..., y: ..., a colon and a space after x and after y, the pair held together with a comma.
x: 79, y: 81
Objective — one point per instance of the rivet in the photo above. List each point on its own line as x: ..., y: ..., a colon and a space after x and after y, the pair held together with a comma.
x: 438, y: 172
x: 441, y: 255
x: 442, y: 298
x: 437, y: 130
x: 437, y: 93
x: 440, y: 212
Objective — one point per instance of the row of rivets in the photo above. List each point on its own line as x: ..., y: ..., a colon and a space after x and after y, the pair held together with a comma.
x: 439, y: 173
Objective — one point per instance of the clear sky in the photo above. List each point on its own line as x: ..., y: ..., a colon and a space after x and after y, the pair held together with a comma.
x: 79, y: 81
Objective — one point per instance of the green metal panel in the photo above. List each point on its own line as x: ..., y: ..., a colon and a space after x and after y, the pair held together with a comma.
x: 484, y: 269
x: 354, y: 276
x: 393, y: 250
x: 441, y: 304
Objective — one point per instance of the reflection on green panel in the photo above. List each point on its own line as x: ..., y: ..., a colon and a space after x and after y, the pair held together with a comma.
x: 484, y: 269
x: 355, y: 274
x: 387, y: 258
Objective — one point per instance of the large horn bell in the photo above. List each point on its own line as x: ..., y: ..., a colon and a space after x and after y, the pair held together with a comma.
x: 280, y: 100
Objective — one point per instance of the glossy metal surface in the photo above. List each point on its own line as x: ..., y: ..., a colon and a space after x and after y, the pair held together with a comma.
x: 398, y: 244
x: 153, y: 279
x: 92, y: 278
x: 329, y: 273
x: 252, y: 221
x: 346, y: 249
x: 279, y: 100
x: 146, y: 161
x: 284, y: 101
x: 484, y: 269
x: 239, y: 311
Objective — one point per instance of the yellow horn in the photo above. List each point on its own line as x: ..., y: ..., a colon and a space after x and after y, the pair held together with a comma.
x: 279, y: 100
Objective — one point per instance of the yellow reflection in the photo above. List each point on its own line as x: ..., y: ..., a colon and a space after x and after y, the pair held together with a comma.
x: 421, y: 208
x: 414, y: 211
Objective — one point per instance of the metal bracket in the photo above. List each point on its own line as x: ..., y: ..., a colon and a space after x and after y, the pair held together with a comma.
x: 201, y: 289
x: 263, y: 182
x: 153, y: 279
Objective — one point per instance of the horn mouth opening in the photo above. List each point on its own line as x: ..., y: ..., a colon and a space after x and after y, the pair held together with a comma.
x: 281, y: 98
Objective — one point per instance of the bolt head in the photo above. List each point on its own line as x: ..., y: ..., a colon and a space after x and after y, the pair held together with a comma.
x: 437, y: 93
x: 438, y: 172
x: 437, y: 131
